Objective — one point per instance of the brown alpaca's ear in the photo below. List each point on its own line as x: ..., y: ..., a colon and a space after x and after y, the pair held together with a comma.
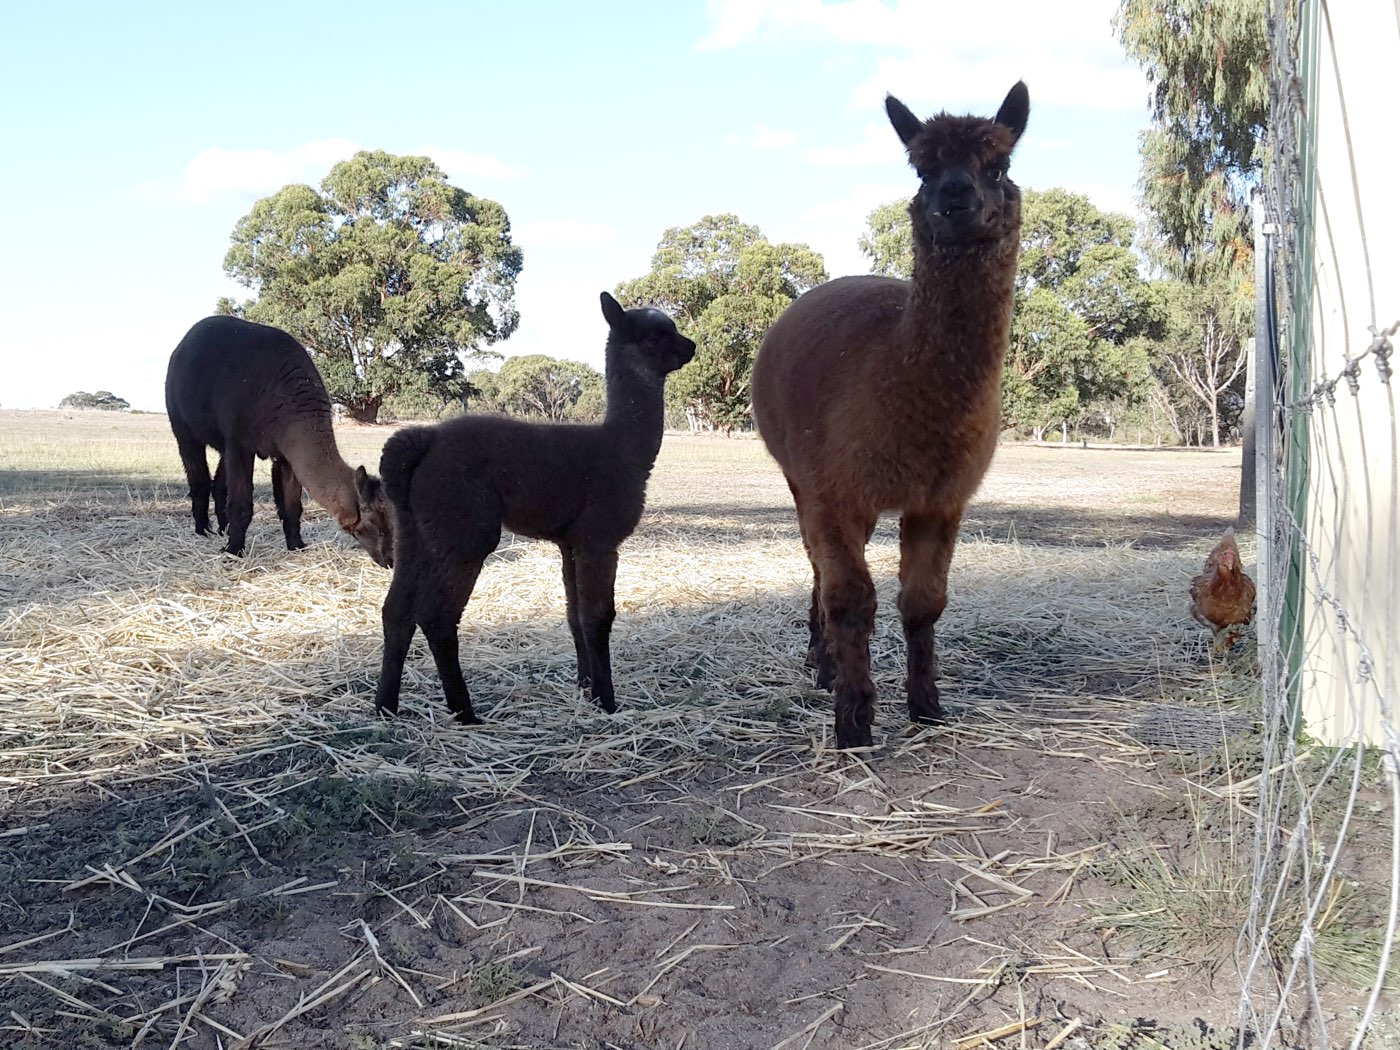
x: 905, y: 123
x: 1015, y: 109
x: 612, y: 311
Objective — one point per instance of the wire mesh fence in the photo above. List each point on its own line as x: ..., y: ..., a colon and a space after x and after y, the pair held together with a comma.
x: 1327, y: 828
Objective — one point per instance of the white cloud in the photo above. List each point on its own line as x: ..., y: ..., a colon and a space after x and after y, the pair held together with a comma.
x: 879, y: 146
x: 941, y: 55
x: 833, y: 227
x: 561, y: 231
x: 764, y: 137
x: 849, y: 21
x: 217, y: 172
x: 459, y: 165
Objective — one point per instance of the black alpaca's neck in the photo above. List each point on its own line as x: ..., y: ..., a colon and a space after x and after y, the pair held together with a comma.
x: 636, y: 414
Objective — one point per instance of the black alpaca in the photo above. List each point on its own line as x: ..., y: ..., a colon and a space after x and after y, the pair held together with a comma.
x: 453, y: 486
x: 246, y: 390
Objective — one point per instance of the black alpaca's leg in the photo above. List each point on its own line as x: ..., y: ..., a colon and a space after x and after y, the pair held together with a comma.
x: 925, y: 551
x: 848, y: 607
x: 597, y: 575
x: 286, y: 493
x: 585, y: 673
x: 221, y: 496
x: 397, y: 616
x: 238, y: 479
x: 456, y: 529
x: 197, y: 474
x: 440, y: 615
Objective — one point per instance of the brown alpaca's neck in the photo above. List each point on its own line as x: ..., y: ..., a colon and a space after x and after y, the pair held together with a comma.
x: 960, y: 307
x: 319, y: 467
x: 636, y: 415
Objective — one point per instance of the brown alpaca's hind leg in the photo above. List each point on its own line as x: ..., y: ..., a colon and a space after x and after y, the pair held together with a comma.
x: 925, y: 550
x: 848, y: 616
x: 818, y: 652
x: 286, y: 493
x: 596, y: 575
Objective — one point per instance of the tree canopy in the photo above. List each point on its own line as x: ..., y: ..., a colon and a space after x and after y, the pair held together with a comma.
x: 1208, y: 65
x: 104, y: 400
x: 889, y: 240
x: 1083, y: 313
x: 725, y: 284
x: 542, y: 387
x: 388, y: 275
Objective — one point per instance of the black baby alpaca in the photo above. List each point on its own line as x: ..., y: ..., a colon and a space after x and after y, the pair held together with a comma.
x: 453, y: 486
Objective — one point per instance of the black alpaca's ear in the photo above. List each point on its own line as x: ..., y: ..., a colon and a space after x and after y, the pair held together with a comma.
x: 1015, y: 109
x: 612, y: 311
x: 905, y: 123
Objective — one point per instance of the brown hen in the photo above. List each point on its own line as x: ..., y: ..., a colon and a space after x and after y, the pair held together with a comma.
x: 1222, y: 597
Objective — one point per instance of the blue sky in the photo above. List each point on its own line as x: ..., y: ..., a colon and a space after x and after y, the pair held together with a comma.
x: 136, y: 135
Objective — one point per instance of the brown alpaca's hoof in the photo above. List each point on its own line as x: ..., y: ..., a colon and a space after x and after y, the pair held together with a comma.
x: 851, y: 732
x: 924, y: 708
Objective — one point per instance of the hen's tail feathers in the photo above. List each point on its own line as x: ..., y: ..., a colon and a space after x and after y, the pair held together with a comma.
x: 400, y: 458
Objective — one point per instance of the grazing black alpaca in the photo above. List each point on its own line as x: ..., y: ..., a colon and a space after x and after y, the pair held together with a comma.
x: 246, y: 390
x: 453, y: 486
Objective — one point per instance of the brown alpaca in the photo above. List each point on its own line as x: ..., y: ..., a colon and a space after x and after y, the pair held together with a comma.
x: 454, y: 486
x: 875, y: 394
x: 246, y: 390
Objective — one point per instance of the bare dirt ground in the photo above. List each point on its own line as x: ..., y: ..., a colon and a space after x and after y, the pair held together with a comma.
x: 207, y: 839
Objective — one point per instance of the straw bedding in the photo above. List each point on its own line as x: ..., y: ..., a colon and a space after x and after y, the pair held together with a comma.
x: 218, y: 845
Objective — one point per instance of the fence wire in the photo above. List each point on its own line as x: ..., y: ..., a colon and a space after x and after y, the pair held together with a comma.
x: 1317, y: 955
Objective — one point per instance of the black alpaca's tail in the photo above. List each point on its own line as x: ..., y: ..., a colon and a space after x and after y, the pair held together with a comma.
x: 400, y: 458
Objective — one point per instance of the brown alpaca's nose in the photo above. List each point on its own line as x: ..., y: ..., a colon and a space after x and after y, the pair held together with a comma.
x: 956, y: 191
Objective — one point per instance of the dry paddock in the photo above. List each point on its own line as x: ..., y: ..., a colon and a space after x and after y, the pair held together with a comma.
x: 207, y: 839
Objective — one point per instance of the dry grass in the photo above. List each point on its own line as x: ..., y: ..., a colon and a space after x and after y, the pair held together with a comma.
x: 270, y: 865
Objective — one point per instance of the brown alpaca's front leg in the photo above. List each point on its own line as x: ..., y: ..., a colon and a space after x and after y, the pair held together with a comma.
x: 848, y: 607
x: 286, y: 493
x: 925, y: 552
x: 596, y: 576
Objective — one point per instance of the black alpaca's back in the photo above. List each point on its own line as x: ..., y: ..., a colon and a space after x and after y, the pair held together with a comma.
x: 453, y: 486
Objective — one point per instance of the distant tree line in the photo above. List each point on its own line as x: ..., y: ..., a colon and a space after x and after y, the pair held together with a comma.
x: 401, y: 284
x: 103, y: 400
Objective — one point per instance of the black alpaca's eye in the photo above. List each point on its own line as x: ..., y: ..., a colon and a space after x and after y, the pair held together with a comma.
x: 997, y: 174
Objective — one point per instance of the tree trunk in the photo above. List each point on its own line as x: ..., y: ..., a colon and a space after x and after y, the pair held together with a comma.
x: 1215, y: 422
